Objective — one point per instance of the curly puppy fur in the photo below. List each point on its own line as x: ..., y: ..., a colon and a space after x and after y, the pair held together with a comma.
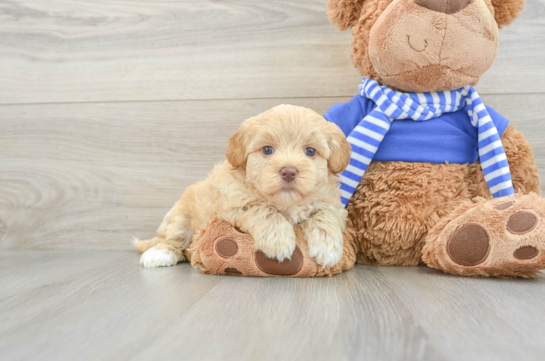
x: 248, y: 191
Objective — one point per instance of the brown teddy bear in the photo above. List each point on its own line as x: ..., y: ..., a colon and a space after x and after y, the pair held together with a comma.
x: 414, y: 204
x: 442, y: 189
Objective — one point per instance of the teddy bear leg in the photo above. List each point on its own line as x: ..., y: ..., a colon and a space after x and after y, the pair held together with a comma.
x: 225, y: 250
x: 397, y: 203
x: 503, y: 237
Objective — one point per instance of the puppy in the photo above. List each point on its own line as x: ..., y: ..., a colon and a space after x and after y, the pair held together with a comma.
x: 281, y: 170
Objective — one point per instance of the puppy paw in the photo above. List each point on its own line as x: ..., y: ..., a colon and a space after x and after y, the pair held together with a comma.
x: 277, y: 242
x: 158, y: 258
x: 325, y: 247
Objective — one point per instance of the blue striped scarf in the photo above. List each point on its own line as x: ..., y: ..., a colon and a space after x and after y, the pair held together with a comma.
x: 391, y: 105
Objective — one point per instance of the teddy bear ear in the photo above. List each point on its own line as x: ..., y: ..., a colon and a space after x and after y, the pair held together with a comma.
x: 344, y: 13
x: 506, y: 11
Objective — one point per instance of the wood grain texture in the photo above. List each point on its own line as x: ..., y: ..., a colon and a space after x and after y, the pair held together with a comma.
x: 92, y: 176
x: 81, y: 51
x: 100, y: 305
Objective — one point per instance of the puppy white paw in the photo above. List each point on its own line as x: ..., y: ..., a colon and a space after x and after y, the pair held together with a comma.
x: 326, y: 248
x: 158, y: 258
x: 278, y: 242
x: 326, y: 255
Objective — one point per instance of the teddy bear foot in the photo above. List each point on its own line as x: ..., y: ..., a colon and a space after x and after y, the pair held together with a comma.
x: 504, y: 237
x: 225, y: 250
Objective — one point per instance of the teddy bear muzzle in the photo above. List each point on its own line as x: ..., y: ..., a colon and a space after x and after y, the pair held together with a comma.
x: 444, y: 6
x: 433, y: 45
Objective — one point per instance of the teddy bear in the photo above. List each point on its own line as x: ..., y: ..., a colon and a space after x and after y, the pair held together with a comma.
x: 436, y: 176
x: 458, y: 192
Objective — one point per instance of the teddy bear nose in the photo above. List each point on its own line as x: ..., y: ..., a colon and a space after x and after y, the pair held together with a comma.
x: 288, y: 173
x: 444, y: 6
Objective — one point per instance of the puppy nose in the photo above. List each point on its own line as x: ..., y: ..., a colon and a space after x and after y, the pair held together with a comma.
x: 444, y: 6
x: 288, y: 173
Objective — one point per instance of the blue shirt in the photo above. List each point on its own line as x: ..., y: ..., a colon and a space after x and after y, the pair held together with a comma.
x: 447, y: 138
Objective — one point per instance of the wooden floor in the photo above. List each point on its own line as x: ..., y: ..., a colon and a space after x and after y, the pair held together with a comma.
x: 99, y: 305
x: 109, y: 109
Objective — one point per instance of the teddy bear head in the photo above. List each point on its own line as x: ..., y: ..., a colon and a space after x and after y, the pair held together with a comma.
x: 424, y: 45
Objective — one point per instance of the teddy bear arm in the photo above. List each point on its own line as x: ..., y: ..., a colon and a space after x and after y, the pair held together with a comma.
x: 522, y: 161
x: 522, y: 164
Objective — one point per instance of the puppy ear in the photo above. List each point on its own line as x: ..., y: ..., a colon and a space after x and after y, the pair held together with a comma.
x: 340, y: 149
x: 506, y: 11
x: 236, y: 151
x: 344, y: 13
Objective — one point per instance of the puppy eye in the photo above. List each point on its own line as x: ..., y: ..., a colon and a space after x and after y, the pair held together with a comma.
x: 267, y: 150
x: 310, y: 152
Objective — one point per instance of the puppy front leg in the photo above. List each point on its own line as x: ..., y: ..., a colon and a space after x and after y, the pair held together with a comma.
x: 324, y: 235
x: 272, y: 233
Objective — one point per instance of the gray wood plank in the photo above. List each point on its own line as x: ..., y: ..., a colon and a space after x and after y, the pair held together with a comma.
x: 81, y: 51
x: 471, y: 312
x: 519, y: 65
x: 92, y: 176
x: 61, y: 307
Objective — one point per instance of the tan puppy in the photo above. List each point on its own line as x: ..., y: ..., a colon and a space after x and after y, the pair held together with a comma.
x: 281, y: 170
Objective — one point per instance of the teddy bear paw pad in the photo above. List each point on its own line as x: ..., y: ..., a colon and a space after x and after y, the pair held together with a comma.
x: 226, y: 247
x: 231, y: 271
x: 526, y: 252
x: 522, y: 222
x: 469, y: 245
x: 272, y: 266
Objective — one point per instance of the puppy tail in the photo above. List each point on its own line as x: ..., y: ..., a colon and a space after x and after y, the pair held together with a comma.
x: 143, y: 246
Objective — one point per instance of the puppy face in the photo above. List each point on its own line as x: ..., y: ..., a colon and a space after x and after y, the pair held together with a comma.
x: 288, y: 153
